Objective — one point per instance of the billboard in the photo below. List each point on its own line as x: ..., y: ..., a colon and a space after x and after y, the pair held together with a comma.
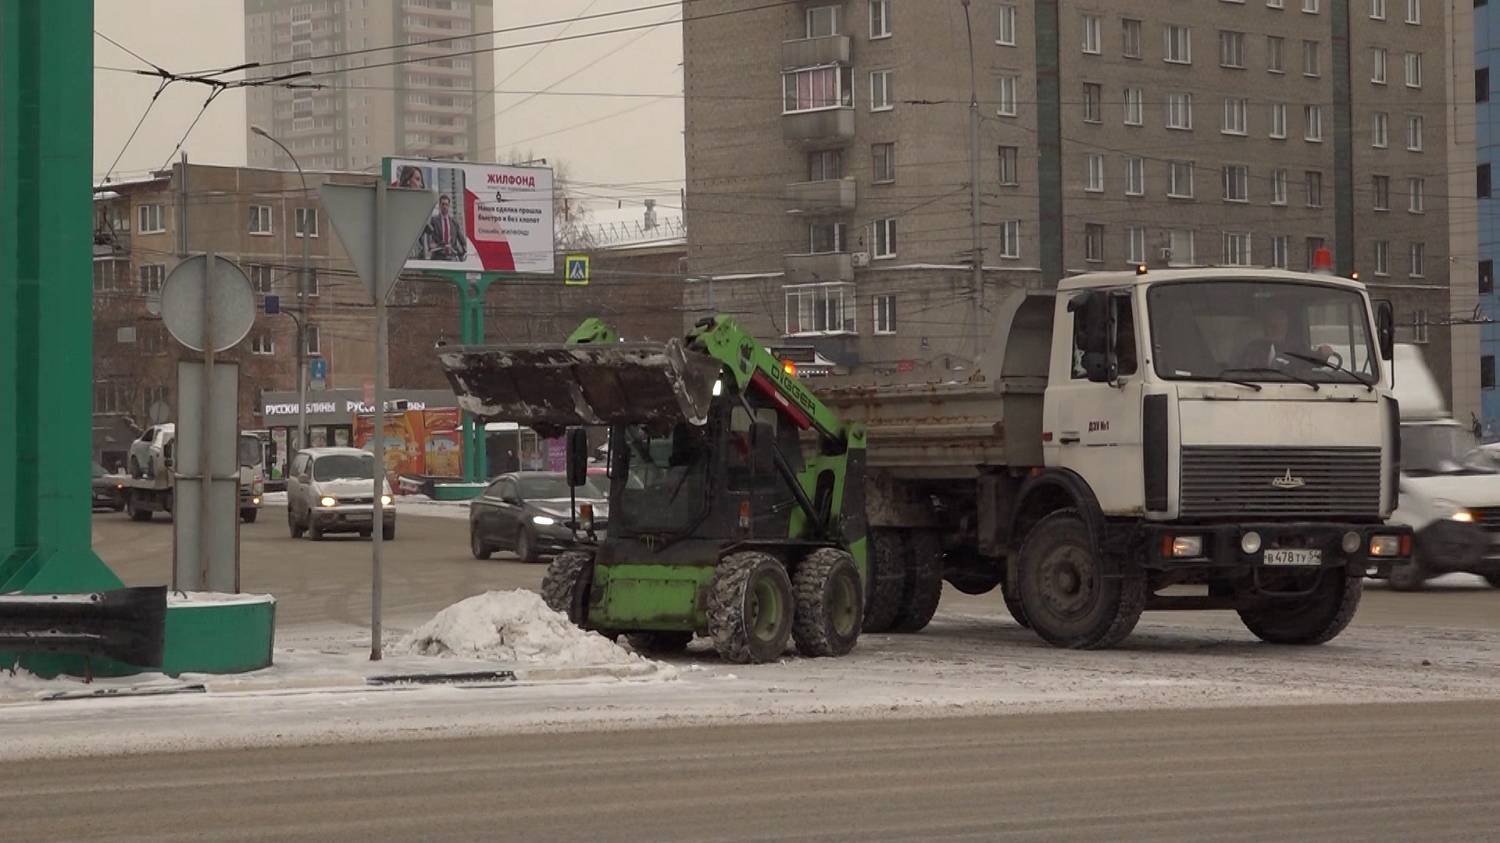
x: 489, y: 217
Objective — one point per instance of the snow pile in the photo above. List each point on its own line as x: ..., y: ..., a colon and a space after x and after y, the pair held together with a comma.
x: 514, y: 627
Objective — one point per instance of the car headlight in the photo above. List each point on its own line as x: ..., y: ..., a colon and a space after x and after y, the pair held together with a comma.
x: 543, y: 520
x: 385, y: 500
x: 1462, y: 515
x: 327, y: 501
x: 1453, y: 510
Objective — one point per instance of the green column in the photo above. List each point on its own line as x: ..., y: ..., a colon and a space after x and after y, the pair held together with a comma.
x: 46, y: 289
x: 471, y: 332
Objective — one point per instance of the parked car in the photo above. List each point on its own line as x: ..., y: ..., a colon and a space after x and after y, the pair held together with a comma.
x: 328, y: 490
x: 106, y: 493
x: 151, y: 453
x: 527, y: 512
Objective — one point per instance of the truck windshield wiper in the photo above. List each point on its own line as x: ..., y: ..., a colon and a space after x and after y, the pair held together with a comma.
x: 1250, y: 384
x: 1337, y: 367
x: 1255, y: 370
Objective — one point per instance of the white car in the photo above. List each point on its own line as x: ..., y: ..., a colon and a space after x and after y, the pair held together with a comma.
x: 151, y: 454
x: 331, y: 490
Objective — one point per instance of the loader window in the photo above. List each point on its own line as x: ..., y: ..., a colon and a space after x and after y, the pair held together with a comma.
x: 665, y: 487
x: 744, y: 472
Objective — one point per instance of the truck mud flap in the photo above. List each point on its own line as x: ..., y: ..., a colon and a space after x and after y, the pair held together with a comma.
x: 127, y: 624
x: 551, y: 387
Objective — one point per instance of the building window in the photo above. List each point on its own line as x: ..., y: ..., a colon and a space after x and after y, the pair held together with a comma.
x: 1377, y: 67
x: 153, y: 339
x: 314, y: 340
x: 1487, y: 371
x: 1135, y: 244
x: 1377, y: 9
x: 1180, y: 111
x: 884, y: 156
x: 1312, y: 59
x: 1380, y: 130
x: 1130, y: 38
x: 1413, y: 70
x: 820, y: 309
x: 1235, y: 115
x: 1382, y: 187
x: 885, y: 314
x: 307, y: 221
x: 260, y: 278
x: 1095, y: 174
x: 1382, y: 257
x: 826, y: 238
x: 110, y: 397
x: 312, y: 281
x: 1092, y: 94
x: 825, y: 164
x: 1280, y: 245
x: 822, y: 21
x: 1180, y: 182
x: 1275, y: 54
x: 1091, y: 37
x: 1183, y: 250
x: 1275, y: 4
x: 1179, y: 44
x: 1009, y: 164
x: 815, y: 88
x: 1135, y: 108
x: 1310, y: 6
x: 1481, y: 84
x: 1278, y: 187
x: 1314, y: 245
x: 263, y: 343
x: 1010, y: 239
x: 1486, y: 276
x: 1231, y: 49
x: 1135, y: 176
x: 1414, y: 11
x: 1416, y: 189
x: 1418, y: 255
x: 1007, y: 34
x: 1414, y: 133
x: 1007, y: 107
x: 152, y: 276
x: 881, y: 98
x: 1236, y: 183
x: 1236, y: 248
x: 1313, y: 180
x: 1419, y: 326
x: 1482, y: 181
x: 149, y: 220
x: 1278, y: 121
x: 885, y: 238
x: 880, y: 19
x: 1093, y: 243
x: 1312, y: 117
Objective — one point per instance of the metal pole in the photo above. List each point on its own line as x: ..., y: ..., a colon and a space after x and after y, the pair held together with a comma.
x: 378, y: 527
x: 978, y: 252
x: 206, y: 446
x: 301, y: 292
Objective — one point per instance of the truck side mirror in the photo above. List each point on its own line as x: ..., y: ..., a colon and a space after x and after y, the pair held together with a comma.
x: 1093, y: 328
x: 578, y: 456
x: 1385, y: 329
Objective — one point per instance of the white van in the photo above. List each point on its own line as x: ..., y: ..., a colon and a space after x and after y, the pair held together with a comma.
x: 329, y: 490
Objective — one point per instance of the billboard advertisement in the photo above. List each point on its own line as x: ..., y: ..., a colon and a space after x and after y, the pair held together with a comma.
x: 489, y: 217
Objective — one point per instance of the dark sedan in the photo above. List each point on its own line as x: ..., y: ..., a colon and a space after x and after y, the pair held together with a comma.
x: 527, y: 512
x: 106, y: 493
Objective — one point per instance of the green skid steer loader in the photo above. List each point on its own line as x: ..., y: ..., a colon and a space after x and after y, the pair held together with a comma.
x: 719, y: 524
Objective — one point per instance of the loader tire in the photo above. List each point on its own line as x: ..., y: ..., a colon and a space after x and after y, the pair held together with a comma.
x: 1066, y: 595
x: 830, y: 604
x: 887, y: 564
x: 1315, y: 619
x: 750, y: 608
x: 923, y: 587
x: 657, y: 643
x: 565, y: 586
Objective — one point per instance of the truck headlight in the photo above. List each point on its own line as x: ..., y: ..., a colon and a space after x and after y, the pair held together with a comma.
x: 1386, y: 546
x: 1182, y: 547
x: 1463, y: 515
x: 1250, y: 543
x: 327, y: 501
x: 543, y: 520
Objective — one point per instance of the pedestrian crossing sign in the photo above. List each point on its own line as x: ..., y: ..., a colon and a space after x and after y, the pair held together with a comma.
x: 576, y: 270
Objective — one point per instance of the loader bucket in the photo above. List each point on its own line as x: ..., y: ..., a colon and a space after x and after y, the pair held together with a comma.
x: 126, y: 624
x: 551, y: 387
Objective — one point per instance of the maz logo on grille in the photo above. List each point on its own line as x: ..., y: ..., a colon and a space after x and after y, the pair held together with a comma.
x: 1287, y: 481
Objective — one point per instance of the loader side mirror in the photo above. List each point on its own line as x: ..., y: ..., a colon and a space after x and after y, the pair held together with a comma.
x: 1093, y: 332
x: 578, y: 457
x: 1385, y: 329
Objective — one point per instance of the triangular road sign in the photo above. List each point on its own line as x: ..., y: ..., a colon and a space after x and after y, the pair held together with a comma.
x: 351, y: 208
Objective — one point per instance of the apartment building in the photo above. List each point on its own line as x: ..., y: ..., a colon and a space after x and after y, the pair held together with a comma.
x: 1487, y: 58
x: 1248, y: 132
x: 356, y: 107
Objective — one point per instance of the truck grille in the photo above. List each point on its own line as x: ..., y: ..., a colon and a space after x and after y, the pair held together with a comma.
x: 1280, y: 482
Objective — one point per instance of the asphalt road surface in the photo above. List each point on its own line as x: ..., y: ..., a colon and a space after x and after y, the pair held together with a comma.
x: 1407, y: 772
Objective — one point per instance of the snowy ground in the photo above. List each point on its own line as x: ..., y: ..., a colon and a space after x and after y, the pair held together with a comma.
x: 408, y: 504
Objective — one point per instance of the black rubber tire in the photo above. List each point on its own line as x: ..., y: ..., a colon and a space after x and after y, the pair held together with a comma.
x: 565, y: 586
x: 887, y: 563
x: 137, y: 513
x: 1013, y: 605
x: 1409, y: 576
x: 830, y: 603
x: 744, y: 629
x: 388, y: 533
x: 1065, y: 596
x: 526, y: 547
x: 314, y: 532
x: 1493, y: 580
x: 477, y: 547
x: 249, y: 515
x: 658, y: 643
x: 292, y: 526
x: 924, y: 581
x: 1315, y: 619
x: 364, y: 534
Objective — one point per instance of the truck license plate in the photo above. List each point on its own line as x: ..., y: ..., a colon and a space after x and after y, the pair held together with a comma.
x: 1293, y: 556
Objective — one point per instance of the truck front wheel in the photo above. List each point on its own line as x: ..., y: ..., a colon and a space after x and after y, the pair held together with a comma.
x: 1066, y: 596
x: 1314, y: 619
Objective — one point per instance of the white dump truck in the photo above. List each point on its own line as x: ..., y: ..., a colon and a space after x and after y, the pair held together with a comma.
x: 1159, y: 439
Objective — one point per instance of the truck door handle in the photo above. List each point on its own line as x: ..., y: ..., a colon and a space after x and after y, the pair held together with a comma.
x: 1069, y: 439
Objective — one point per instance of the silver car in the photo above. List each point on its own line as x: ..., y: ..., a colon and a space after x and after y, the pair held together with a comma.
x: 329, y: 490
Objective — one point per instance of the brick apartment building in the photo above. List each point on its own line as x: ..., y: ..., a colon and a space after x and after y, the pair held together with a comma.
x: 1241, y: 132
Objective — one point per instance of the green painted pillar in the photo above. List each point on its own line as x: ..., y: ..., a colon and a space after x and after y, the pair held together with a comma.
x: 46, y: 290
x: 471, y: 292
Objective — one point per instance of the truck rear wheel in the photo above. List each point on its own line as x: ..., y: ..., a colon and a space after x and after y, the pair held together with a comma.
x: 750, y: 606
x: 1065, y: 595
x: 1012, y: 598
x: 887, y: 565
x: 1315, y: 619
x: 565, y: 586
x: 924, y: 581
x: 137, y: 512
x: 830, y: 604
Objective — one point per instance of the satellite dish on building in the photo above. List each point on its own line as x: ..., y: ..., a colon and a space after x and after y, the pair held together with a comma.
x: 231, y: 301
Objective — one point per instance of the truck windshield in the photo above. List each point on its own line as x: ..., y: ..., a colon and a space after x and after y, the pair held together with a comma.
x: 1260, y: 331
x: 1428, y: 449
x: 344, y: 467
x: 665, y: 482
x: 250, y: 451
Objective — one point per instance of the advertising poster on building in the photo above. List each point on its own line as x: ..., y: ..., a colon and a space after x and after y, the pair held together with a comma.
x: 489, y: 217
x: 442, y: 452
x: 418, y: 443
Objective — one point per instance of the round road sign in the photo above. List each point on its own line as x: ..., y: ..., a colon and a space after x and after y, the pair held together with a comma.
x: 231, y: 300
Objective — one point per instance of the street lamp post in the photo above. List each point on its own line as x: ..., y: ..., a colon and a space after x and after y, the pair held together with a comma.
x: 301, y: 292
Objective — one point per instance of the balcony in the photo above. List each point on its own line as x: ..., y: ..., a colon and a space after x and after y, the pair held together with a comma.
x: 828, y: 196
x: 819, y: 268
x: 823, y: 127
x: 815, y: 52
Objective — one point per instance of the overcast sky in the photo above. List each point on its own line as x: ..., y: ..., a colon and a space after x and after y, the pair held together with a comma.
x: 627, y: 140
